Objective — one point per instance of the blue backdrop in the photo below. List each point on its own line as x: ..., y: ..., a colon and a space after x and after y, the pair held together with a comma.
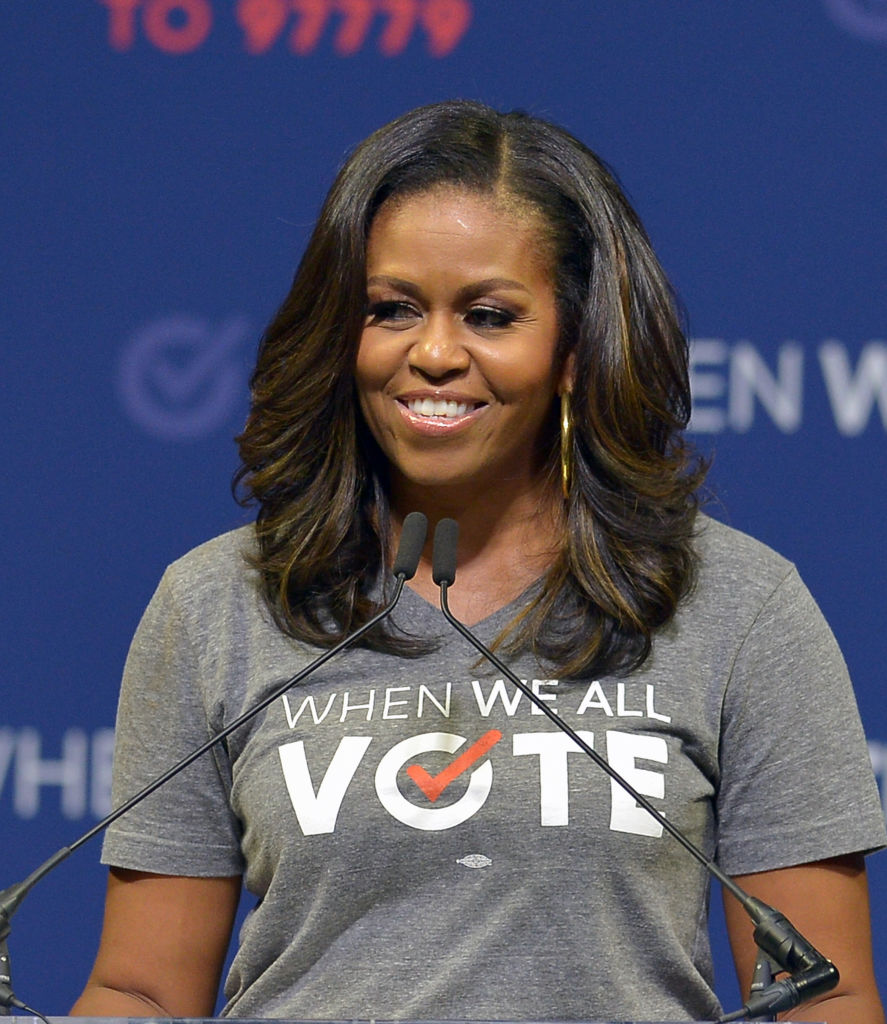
x: 162, y: 163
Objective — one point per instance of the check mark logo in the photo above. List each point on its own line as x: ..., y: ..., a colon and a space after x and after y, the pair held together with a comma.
x: 433, y: 785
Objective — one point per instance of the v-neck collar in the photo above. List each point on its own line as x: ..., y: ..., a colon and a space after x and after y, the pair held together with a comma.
x: 413, y: 607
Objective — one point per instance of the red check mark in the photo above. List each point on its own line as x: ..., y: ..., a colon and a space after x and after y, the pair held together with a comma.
x: 433, y: 785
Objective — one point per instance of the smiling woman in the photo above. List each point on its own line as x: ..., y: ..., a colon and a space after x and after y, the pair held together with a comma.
x: 480, y: 330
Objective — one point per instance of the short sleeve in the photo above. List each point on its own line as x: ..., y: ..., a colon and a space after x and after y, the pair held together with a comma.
x: 796, y: 781
x: 187, y: 826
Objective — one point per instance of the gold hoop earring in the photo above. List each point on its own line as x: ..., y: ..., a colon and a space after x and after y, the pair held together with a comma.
x: 566, y: 444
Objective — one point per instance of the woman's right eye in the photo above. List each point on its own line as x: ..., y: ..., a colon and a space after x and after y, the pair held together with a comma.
x: 390, y: 310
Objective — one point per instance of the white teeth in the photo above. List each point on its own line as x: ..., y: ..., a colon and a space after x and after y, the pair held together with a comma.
x: 431, y: 407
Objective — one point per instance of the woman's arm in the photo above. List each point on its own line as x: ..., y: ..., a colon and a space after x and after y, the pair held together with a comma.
x: 163, y: 946
x: 828, y: 903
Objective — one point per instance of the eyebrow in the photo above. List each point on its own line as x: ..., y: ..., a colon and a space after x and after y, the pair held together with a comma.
x: 465, y: 293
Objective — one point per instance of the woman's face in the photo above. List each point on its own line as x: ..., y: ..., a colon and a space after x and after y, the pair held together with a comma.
x: 456, y: 371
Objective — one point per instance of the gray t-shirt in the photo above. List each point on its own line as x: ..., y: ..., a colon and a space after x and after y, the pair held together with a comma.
x: 424, y: 843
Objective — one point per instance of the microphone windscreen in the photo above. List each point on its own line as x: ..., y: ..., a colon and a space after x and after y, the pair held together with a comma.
x: 443, y: 563
x: 409, y: 550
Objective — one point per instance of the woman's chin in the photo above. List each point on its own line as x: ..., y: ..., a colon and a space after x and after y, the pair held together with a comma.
x: 464, y: 485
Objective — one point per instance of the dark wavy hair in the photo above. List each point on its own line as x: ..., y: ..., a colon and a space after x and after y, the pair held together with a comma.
x: 626, y: 556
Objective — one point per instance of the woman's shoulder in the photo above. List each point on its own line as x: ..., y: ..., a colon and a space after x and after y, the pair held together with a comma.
x: 219, y: 565
x: 219, y: 552
x: 736, y: 570
x: 724, y: 550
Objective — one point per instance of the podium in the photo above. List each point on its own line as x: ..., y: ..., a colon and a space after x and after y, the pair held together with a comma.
x: 279, y: 1020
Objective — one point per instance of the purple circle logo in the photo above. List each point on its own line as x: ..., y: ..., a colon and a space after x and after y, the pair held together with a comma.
x: 180, y: 378
x: 864, y: 18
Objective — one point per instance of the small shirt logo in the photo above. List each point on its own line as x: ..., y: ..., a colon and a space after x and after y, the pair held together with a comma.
x: 475, y: 860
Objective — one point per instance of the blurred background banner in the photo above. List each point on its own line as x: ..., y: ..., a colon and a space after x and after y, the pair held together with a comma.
x: 162, y: 163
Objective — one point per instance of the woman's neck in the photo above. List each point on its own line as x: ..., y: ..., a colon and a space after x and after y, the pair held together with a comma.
x: 506, y: 542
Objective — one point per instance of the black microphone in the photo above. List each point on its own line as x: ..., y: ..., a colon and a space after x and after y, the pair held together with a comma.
x: 409, y: 551
x: 812, y: 974
x: 443, y: 557
x: 406, y: 561
x: 7, y: 998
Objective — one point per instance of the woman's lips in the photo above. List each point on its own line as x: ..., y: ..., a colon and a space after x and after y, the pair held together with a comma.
x: 439, y: 416
x: 446, y: 407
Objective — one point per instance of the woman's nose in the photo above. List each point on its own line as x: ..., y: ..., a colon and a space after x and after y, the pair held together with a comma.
x: 438, y: 350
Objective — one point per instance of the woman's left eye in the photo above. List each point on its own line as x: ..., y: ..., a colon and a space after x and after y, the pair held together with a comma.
x: 489, y: 317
